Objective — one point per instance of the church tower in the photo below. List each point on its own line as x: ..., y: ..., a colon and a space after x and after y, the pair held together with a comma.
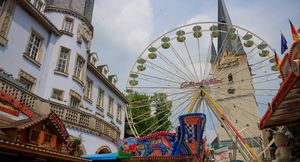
x: 236, y: 95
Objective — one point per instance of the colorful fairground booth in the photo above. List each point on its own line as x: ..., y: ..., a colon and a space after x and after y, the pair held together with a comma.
x: 187, y: 144
x: 283, y: 114
x: 28, y: 136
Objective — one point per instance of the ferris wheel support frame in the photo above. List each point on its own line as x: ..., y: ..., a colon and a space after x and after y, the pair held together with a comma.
x: 239, y: 137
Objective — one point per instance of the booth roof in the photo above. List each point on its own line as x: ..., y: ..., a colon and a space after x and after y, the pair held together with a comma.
x: 109, y: 156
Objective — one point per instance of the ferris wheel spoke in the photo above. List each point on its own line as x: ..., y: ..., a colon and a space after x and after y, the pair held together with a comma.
x: 171, y: 64
x: 220, y: 51
x: 246, y: 68
x: 238, y: 107
x: 223, y: 94
x: 149, y: 99
x: 179, y: 58
x: 147, y: 113
x: 199, y: 54
x: 166, y: 115
x: 191, y: 61
x: 243, y: 80
x: 161, y: 70
x: 220, y: 72
x: 206, y: 68
x: 157, y: 82
x: 152, y: 104
x: 160, y: 78
x: 165, y: 70
x: 177, y: 114
x: 211, y: 117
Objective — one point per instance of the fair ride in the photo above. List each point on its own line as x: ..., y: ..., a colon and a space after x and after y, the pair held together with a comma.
x: 211, y: 75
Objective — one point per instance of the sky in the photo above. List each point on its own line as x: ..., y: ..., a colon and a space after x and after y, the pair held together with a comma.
x: 123, y: 28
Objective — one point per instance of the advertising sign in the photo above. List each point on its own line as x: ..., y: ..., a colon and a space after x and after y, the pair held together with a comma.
x: 222, y: 154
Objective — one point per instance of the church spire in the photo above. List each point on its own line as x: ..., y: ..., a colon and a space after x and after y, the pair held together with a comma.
x: 213, y: 53
x: 232, y: 45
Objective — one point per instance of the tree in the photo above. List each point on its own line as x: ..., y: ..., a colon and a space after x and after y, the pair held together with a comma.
x: 163, y: 111
x: 141, y: 106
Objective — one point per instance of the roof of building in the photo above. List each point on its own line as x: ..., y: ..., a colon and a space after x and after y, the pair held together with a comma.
x: 106, y: 81
x: 234, y: 47
x: 26, y: 123
x: 37, y: 151
x: 42, y: 19
x: 284, y: 108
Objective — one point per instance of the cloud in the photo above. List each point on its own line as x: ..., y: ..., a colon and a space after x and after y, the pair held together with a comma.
x: 200, y: 18
x: 121, y: 30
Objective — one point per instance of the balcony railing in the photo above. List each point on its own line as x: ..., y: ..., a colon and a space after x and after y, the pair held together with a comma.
x: 73, y: 118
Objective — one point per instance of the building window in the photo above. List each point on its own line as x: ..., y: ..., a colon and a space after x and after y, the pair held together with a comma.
x: 75, y: 100
x: 34, y: 46
x: 27, y: 83
x: 74, y: 103
x: 100, y: 99
x: 68, y: 24
x: 57, y: 94
x: 27, y: 80
x: 63, y: 60
x: 105, y: 72
x: 88, y: 89
x: 2, y: 4
x: 110, y: 106
x: 47, y: 138
x: 34, y: 135
x: 79, y: 67
x: 119, y: 113
x: 230, y: 78
x: 38, y: 4
x: 93, y: 60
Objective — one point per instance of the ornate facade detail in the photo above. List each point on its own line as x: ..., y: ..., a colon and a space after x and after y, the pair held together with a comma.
x: 70, y: 12
x: 27, y: 76
x: 84, y: 34
x: 5, y: 20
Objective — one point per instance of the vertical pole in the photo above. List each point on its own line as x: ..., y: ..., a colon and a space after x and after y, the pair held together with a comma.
x: 192, y: 105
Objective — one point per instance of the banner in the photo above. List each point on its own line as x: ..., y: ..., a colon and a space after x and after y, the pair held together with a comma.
x: 222, y: 154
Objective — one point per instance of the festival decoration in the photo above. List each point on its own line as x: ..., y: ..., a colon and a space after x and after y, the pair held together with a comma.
x: 187, y: 141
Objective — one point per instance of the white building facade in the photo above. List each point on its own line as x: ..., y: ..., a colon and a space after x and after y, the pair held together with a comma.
x: 45, y: 45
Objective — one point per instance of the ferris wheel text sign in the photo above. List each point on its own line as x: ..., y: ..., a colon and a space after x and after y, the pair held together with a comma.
x: 202, y: 83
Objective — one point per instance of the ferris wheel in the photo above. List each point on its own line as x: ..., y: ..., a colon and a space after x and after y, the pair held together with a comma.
x: 224, y: 71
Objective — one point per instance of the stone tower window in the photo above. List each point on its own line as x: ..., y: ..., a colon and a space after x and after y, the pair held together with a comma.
x: 230, y: 78
x: 231, y: 90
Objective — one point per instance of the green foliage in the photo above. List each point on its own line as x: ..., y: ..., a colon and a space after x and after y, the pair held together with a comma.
x: 154, y: 110
x: 163, y: 111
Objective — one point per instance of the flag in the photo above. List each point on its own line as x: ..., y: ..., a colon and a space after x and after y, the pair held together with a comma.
x: 284, y: 46
x: 294, y: 32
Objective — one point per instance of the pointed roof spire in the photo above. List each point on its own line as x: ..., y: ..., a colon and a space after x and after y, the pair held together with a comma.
x: 213, y: 53
x: 232, y: 45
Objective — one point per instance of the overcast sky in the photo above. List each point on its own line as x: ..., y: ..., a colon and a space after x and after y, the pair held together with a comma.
x: 123, y: 28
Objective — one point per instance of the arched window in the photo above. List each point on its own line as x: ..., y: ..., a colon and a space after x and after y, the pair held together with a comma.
x: 103, y: 150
